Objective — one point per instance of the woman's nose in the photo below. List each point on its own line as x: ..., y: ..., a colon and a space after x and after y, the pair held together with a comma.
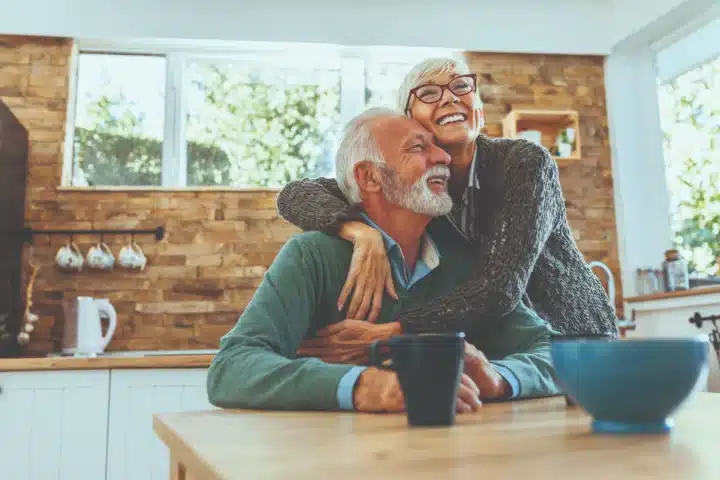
x: 448, y: 98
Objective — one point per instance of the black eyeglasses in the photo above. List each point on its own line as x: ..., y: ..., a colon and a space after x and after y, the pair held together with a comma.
x: 431, y: 93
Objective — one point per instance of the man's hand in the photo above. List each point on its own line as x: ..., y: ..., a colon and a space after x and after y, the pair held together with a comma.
x: 468, y: 398
x: 347, y: 341
x: 379, y: 391
x: 492, y: 385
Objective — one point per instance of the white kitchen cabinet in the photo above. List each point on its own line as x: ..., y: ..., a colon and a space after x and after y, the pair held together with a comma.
x: 53, y: 425
x: 134, y: 451
x: 669, y: 317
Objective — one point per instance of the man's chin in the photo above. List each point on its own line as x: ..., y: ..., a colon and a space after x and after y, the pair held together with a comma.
x: 438, y: 208
x: 419, y: 199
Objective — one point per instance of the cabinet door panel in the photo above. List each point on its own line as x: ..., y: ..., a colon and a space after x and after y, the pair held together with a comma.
x: 134, y: 451
x: 54, y: 425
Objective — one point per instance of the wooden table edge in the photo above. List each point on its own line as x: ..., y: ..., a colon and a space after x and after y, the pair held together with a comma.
x: 185, y: 463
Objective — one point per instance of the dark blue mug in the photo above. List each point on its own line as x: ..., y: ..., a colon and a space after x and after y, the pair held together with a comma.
x: 429, y: 367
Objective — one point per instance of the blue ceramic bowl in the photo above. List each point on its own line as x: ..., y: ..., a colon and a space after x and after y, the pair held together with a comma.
x: 634, y: 385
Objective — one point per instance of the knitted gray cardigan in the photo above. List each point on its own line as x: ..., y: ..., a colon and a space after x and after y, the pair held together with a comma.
x: 523, y: 241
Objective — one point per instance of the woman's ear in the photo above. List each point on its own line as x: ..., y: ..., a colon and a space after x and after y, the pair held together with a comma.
x: 367, y: 176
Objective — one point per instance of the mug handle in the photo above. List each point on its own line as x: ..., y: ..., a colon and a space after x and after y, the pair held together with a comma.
x: 104, y: 247
x: 78, y: 255
x: 376, y: 356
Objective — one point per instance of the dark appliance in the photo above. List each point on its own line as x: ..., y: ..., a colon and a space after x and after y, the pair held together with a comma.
x: 13, y: 176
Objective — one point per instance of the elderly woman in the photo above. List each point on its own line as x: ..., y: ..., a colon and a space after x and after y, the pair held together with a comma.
x: 508, y: 204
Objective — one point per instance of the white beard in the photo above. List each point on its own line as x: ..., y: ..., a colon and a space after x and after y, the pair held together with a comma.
x: 417, y: 197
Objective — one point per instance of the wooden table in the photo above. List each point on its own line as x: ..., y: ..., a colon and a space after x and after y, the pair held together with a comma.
x: 514, y: 440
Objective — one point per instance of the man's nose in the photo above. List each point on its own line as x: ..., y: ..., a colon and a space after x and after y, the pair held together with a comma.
x: 439, y: 156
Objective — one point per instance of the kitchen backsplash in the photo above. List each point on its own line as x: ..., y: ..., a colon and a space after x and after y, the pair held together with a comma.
x: 219, y: 243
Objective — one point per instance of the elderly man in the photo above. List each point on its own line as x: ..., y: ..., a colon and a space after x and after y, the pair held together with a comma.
x: 387, y: 164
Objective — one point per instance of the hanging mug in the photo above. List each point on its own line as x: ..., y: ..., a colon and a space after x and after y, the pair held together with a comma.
x: 69, y: 258
x: 100, y: 257
x: 132, y: 256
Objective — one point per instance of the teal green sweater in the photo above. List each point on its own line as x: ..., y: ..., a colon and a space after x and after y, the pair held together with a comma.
x: 257, y: 365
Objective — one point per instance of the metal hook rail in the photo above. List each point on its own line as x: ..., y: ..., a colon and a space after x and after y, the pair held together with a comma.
x: 159, y: 232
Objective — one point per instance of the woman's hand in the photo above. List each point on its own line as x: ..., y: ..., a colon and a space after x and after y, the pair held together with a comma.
x: 369, y: 274
x: 347, y: 341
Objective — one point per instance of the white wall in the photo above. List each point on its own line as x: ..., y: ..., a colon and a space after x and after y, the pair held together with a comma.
x: 631, y: 16
x: 649, y: 22
x: 690, y: 51
x: 636, y: 142
x: 535, y: 26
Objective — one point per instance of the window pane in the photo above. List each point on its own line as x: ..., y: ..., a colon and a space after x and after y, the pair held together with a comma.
x: 260, y: 122
x: 382, y: 80
x: 690, y: 118
x: 119, y: 120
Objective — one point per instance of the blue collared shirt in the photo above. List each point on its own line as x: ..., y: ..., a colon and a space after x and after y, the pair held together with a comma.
x: 428, y: 260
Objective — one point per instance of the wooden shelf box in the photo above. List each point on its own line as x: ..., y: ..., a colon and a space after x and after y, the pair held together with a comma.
x: 550, y: 123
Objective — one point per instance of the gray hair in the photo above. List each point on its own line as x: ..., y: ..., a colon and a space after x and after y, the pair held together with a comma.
x: 358, y: 144
x: 424, y: 71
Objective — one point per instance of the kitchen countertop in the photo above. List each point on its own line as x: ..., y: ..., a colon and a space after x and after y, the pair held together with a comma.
x: 679, y: 294
x: 128, y: 359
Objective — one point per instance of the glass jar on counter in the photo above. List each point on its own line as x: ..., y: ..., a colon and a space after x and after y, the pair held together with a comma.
x: 675, y: 271
x: 659, y: 278
x: 649, y: 281
x: 644, y: 281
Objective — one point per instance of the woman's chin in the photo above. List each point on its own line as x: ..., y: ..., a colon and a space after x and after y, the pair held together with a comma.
x: 457, y: 137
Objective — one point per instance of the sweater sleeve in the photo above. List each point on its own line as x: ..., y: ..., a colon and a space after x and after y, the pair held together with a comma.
x: 256, y: 366
x: 528, y: 212
x: 317, y: 204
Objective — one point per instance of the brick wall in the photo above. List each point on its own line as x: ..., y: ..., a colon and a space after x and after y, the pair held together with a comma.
x: 219, y: 243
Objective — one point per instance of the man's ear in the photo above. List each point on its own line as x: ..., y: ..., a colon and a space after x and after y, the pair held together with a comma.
x: 367, y: 176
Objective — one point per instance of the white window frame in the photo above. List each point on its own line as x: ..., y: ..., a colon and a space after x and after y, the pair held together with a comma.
x: 174, y: 162
x: 636, y: 139
x: 351, y: 63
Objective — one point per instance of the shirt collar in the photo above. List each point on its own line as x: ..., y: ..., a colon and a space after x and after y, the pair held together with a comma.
x: 472, y: 177
x: 428, y: 258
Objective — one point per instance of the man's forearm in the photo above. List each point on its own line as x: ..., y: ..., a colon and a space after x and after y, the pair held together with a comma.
x: 245, y: 374
x: 533, y: 372
x: 524, y: 353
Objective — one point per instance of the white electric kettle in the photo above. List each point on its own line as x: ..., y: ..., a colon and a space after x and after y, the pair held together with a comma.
x: 83, y: 326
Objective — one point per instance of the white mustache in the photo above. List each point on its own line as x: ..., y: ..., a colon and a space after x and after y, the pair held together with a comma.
x: 437, y: 171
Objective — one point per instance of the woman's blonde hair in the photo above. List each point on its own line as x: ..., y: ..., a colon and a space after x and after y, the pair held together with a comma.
x: 424, y: 71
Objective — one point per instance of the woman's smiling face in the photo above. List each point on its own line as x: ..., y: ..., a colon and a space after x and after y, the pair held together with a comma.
x: 455, y: 118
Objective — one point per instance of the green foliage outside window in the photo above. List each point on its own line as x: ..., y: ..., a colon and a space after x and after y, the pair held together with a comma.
x: 690, y: 110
